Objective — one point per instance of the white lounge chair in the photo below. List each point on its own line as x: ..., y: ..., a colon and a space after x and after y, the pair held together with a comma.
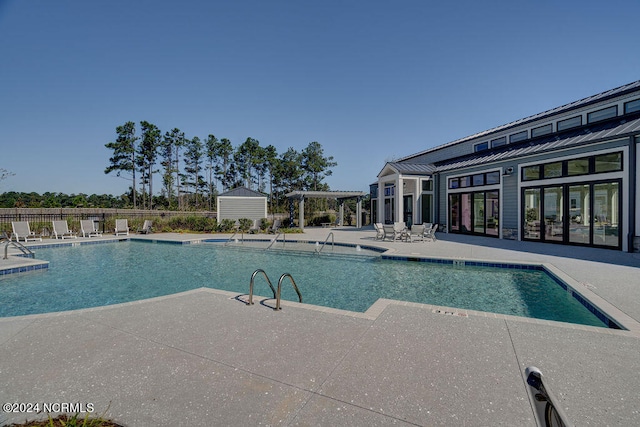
x: 122, y: 227
x: 379, y: 230
x: 416, y: 232
x: 61, y: 230
x: 255, y: 228
x: 430, y: 233
x: 275, y: 226
x: 146, y: 227
x: 88, y: 228
x: 21, y: 230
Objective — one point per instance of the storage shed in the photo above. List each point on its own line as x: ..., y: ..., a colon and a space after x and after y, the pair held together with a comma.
x: 241, y: 202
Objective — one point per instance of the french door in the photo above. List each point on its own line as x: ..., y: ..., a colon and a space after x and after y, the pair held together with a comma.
x: 580, y: 214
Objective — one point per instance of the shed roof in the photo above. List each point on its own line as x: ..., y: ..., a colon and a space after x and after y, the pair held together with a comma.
x: 242, y: 192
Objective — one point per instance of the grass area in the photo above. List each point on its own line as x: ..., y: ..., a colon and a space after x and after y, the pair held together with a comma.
x: 69, y: 421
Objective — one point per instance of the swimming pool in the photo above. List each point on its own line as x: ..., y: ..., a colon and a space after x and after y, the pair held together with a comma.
x: 104, y: 274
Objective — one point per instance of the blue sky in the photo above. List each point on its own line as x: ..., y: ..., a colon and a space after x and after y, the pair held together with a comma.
x: 370, y: 80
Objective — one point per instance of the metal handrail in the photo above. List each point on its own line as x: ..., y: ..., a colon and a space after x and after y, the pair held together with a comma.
x: 278, y: 292
x: 275, y: 239
x: 545, y: 405
x: 325, y: 242
x: 17, y: 245
x: 253, y: 276
x: 232, y: 236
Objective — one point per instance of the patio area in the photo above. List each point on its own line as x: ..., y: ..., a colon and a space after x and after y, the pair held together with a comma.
x: 205, y: 358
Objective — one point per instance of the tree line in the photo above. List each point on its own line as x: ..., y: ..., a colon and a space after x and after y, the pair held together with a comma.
x: 193, y: 171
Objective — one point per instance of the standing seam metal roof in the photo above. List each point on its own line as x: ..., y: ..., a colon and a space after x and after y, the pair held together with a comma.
x: 591, y: 134
x: 572, y: 105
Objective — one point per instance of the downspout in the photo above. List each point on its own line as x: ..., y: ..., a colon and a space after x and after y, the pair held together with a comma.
x: 633, y: 176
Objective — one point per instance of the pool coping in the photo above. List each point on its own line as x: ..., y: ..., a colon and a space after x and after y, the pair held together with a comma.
x: 611, y: 316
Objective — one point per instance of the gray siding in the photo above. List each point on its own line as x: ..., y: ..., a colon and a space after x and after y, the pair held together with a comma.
x: 242, y: 207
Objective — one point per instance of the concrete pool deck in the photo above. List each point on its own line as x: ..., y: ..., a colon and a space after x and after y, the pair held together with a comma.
x: 204, y: 358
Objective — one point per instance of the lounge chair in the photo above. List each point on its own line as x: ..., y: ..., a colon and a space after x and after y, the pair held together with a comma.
x: 88, y: 228
x: 122, y: 227
x: 146, y: 227
x: 416, y: 232
x: 430, y: 233
x: 395, y: 231
x: 255, y: 228
x: 61, y: 230
x: 21, y: 230
x: 379, y: 230
x: 275, y: 226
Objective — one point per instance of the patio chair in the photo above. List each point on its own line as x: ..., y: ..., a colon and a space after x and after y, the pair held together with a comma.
x: 122, y: 227
x: 416, y: 232
x: 88, y: 228
x: 61, y: 230
x: 430, y: 233
x: 379, y: 230
x: 255, y: 228
x: 275, y: 226
x: 21, y: 230
x: 399, y: 230
x: 146, y: 227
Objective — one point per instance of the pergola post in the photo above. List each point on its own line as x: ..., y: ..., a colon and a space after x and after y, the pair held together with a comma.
x: 341, y: 204
x: 359, y: 212
x: 301, y: 213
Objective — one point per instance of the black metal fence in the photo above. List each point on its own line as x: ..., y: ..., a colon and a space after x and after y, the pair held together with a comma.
x: 40, y: 220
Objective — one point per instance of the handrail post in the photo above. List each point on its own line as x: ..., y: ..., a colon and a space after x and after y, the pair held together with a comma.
x: 279, y: 291
x: 253, y: 276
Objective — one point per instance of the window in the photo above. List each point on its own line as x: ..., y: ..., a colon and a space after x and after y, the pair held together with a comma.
x: 480, y: 147
x: 608, y: 162
x: 578, y: 166
x: 541, y: 130
x: 530, y: 173
x: 611, y: 162
x: 427, y: 185
x: 477, y: 180
x: 553, y: 170
x: 605, y: 113
x: 498, y: 142
x: 520, y: 136
x: 569, y: 123
x: 492, y: 178
x: 632, y: 106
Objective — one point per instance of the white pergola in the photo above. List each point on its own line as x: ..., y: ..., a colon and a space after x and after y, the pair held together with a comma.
x: 340, y: 196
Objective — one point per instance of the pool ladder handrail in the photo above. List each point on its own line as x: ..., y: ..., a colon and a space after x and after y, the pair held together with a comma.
x: 275, y: 239
x: 234, y: 235
x: 253, y: 276
x: 276, y: 293
x: 325, y: 242
x: 546, y: 406
x: 26, y: 251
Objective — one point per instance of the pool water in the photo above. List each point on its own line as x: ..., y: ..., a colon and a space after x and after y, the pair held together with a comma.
x: 98, y: 275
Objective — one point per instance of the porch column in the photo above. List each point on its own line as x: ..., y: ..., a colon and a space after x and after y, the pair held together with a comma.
x: 341, y: 210
x: 359, y: 212
x: 399, y: 200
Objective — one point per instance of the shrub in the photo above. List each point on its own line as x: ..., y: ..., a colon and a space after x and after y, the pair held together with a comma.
x: 245, y: 224
x: 226, y: 225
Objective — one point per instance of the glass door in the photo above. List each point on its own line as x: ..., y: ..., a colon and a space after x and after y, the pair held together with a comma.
x: 579, y: 214
x: 407, y: 214
x: 532, y: 225
x: 606, y: 214
x: 454, y: 212
x: 478, y: 213
x: 553, y: 214
x: 492, y: 212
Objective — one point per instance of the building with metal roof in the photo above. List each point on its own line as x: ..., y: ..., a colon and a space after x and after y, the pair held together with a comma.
x: 567, y: 175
